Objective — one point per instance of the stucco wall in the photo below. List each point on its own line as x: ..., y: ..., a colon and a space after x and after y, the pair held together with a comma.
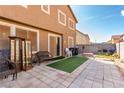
x: 120, y: 49
x: 81, y: 38
x: 34, y: 16
x: 117, y: 48
x: 93, y: 48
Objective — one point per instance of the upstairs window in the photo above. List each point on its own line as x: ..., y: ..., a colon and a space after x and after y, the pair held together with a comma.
x: 71, y: 24
x: 45, y: 8
x: 61, y: 18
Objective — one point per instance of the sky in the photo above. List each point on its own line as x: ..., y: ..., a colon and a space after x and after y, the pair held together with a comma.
x: 100, y: 22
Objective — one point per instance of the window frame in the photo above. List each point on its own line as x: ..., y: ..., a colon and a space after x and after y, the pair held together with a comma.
x: 70, y: 20
x: 72, y: 38
x: 47, y: 12
x: 59, y: 11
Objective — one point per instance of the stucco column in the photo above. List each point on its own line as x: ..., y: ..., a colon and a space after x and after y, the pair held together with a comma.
x: 13, y: 30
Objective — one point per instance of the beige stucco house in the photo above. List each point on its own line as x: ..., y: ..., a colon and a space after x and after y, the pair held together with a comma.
x: 117, y: 38
x: 82, y: 38
x: 49, y: 27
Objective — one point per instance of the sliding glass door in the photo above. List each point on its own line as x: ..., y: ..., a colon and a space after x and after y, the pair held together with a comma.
x: 55, y: 45
x: 58, y: 46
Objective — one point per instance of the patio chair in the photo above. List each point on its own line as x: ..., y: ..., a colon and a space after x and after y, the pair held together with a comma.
x: 8, y: 68
x: 41, y: 56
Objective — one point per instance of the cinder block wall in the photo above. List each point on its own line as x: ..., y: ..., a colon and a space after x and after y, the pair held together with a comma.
x: 93, y: 48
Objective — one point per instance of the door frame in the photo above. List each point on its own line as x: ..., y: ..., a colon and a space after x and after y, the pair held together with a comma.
x: 55, y: 35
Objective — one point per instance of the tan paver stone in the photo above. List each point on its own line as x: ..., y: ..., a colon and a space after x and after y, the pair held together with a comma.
x: 60, y: 80
x: 108, y: 84
x: 93, y: 73
x: 87, y: 83
x: 69, y: 79
x: 118, y: 85
x: 72, y: 76
x: 77, y: 82
x: 97, y: 85
x: 34, y: 73
x: 54, y: 78
x: 43, y: 85
x: 119, y: 82
x: 80, y: 78
x: 74, y: 86
x: 48, y: 81
x: 98, y: 81
x: 8, y: 84
x: 23, y: 84
x: 66, y: 83
x: 44, y: 78
x: 61, y: 86
x: 99, y: 77
x: 39, y: 76
x: 120, y: 78
x: 54, y: 84
x: 108, y: 79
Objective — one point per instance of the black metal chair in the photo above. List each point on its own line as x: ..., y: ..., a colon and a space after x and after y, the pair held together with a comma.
x: 8, y: 67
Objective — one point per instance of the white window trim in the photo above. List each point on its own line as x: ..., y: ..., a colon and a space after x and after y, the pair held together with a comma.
x: 69, y: 19
x: 24, y: 28
x: 69, y: 37
x: 54, y: 35
x: 47, y: 12
x: 59, y: 11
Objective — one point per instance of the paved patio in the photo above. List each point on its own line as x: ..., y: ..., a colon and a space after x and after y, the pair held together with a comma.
x: 91, y: 74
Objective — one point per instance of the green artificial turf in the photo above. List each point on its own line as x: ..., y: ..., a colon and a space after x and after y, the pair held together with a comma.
x: 69, y: 64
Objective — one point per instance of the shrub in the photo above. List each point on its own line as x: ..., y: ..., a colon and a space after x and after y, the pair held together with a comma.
x: 115, y: 55
x: 112, y: 51
x: 108, y: 54
x: 105, y: 50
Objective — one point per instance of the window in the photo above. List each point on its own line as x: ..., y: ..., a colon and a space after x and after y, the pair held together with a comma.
x: 71, y: 24
x: 28, y: 35
x: 21, y: 33
x: 70, y: 42
x: 4, y: 42
x: 45, y: 8
x: 33, y: 37
x: 61, y: 18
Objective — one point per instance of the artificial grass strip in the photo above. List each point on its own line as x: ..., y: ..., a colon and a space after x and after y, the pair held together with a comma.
x: 69, y: 64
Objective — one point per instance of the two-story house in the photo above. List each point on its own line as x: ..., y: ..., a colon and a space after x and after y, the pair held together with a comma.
x: 49, y: 27
x: 117, y: 38
x: 81, y: 38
